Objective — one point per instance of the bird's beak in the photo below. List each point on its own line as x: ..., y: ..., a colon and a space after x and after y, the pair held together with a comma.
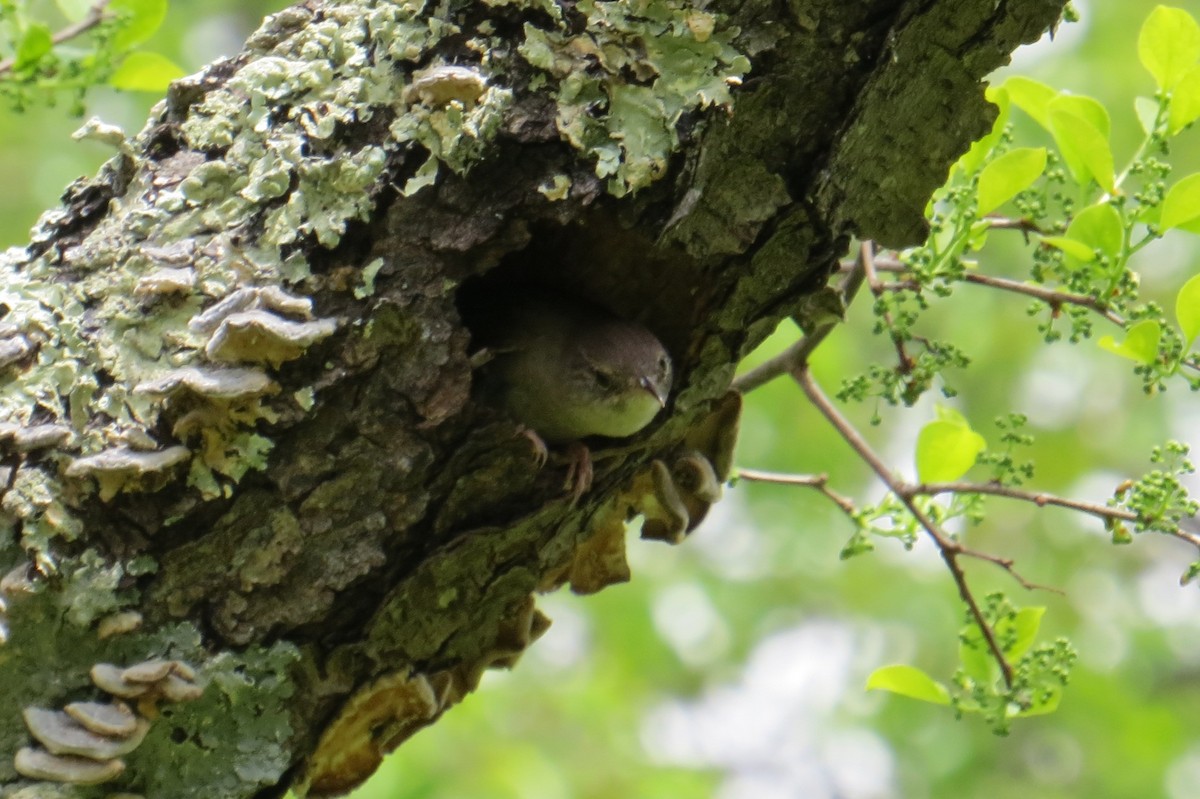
x: 648, y: 384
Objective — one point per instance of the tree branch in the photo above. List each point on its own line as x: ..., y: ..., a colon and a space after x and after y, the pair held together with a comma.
x: 95, y: 16
x: 948, y: 548
x: 799, y: 353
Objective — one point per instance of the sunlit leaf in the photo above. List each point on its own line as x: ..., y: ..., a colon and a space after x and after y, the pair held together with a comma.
x: 75, y: 10
x: 1080, y: 126
x: 34, y: 44
x: 1146, y: 110
x: 143, y: 18
x: 976, y: 657
x: 1031, y: 97
x: 1008, y: 175
x: 145, y: 72
x: 1187, y: 309
x: 1140, y: 344
x: 1098, y: 227
x: 1047, y: 701
x: 1024, y: 628
x: 1076, y: 249
x: 1185, y: 101
x: 1181, y: 206
x: 946, y: 450
x: 908, y: 681
x: 1168, y: 45
x: 974, y: 157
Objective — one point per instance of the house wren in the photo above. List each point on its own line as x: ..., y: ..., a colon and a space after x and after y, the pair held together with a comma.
x: 568, y: 371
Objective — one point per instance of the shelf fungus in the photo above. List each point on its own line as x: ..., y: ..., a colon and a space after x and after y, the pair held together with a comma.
x: 13, y: 349
x: 270, y: 298
x: 215, y: 383
x: 442, y: 85
x: 165, y: 281
x: 38, y: 764
x: 62, y: 734
x: 672, y: 500
x: 125, y: 621
x: 35, y: 437
x: 148, y: 682
x: 263, y: 337
x: 104, y: 718
x: 122, y: 468
x: 373, y: 722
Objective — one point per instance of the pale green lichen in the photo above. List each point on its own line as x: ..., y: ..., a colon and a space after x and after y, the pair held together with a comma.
x: 680, y: 61
x: 268, y: 171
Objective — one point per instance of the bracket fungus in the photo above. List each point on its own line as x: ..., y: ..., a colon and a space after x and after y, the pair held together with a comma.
x: 172, y: 680
x: 121, y: 467
x: 263, y: 337
x: 125, y: 621
x: 40, y: 436
x: 39, y: 764
x: 62, y: 734
x: 271, y: 298
x: 373, y: 722
x: 441, y: 85
x: 211, y: 383
x: 104, y: 718
x: 14, y: 348
x: 167, y: 280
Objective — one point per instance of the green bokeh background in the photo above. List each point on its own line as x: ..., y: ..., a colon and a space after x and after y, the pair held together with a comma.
x: 733, y: 666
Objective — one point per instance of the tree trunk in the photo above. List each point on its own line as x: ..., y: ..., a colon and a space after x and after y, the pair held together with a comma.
x: 240, y: 436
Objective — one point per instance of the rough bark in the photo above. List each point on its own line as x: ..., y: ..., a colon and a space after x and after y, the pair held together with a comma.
x: 238, y: 427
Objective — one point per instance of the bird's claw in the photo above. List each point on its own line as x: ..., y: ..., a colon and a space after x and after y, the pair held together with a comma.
x: 540, y: 452
x: 579, y: 470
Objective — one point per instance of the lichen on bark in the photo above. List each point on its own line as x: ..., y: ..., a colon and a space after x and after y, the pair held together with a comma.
x: 236, y: 410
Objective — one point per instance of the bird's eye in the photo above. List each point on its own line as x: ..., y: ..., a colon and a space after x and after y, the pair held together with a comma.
x: 664, y: 366
x: 604, y: 380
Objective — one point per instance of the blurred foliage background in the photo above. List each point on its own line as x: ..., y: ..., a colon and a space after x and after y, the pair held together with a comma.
x: 733, y: 666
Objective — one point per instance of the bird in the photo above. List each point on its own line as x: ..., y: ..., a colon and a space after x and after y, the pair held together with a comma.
x: 567, y: 370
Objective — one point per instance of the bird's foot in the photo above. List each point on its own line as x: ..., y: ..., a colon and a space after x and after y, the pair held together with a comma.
x: 579, y: 470
x: 540, y: 453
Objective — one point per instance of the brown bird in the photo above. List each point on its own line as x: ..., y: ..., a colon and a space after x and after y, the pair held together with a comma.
x: 567, y: 371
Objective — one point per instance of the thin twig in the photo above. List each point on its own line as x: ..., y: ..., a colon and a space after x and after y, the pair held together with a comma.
x: 949, y: 549
x: 799, y: 353
x: 95, y: 16
x: 818, y: 481
x: 877, y: 288
x: 1041, y: 499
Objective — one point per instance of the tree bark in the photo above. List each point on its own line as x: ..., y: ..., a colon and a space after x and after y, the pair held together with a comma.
x: 239, y: 432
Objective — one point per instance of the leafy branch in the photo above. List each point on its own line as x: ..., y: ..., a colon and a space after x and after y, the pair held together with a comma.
x: 94, y: 16
x: 1083, y: 222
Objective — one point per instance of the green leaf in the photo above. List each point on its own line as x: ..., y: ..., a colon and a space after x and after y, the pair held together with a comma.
x: 908, y: 681
x: 1146, y: 110
x: 1187, y: 310
x: 1140, y: 344
x: 1168, y: 45
x: 1008, y: 175
x: 973, y: 158
x: 946, y: 449
x: 1080, y: 126
x: 1024, y: 628
x: 1032, y: 97
x: 976, y: 657
x: 145, y: 72
x: 75, y: 10
x: 142, y: 19
x: 1098, y: 227
x: 1049, y: 698
x: 1184, y: 108
x: 1076, y: 249
x: 1181, y: 206
x: 36, y: 42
